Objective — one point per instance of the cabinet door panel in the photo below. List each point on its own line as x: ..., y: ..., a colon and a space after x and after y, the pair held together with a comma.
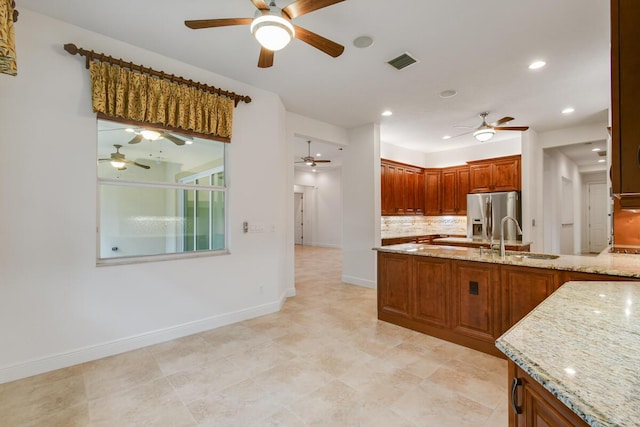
x: 480, y: 178
x: 522, y: 290
x: 625, y: 62
x: 449, y: 192
x: 394, y: 283
x: 476, y: 300
x: 386, y: 194
x: 431, y: 291
x: 462, y: 190
x: 432, y: 192
x: 506, y: 175
x: 419, y: 194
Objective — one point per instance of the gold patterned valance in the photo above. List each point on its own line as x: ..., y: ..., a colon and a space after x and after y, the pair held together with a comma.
x: 126, y: 91
x: 118, y: 92
x: 8, y: 15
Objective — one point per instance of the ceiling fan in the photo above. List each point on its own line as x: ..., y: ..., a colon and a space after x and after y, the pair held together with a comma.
x: 152, y: 135
x: 309, y: 160
x: 273, y: 29
x: 118, y: 160
x: 485, y: 131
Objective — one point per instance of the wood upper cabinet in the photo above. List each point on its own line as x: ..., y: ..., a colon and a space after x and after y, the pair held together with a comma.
x: 413, y: 191
x: 476, y: 299
x: 455, y: 186
x: 402, y: 189
x: 431, y: 297
x: 499, y: 174
x: 394, y: 284
x: 531, y: 405
x: 625, y: 109
x: 522, y: 290
x: 432, y: 189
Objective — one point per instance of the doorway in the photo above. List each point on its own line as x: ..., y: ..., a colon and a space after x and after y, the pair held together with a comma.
x: 597, y: 212
x: 298, y: 218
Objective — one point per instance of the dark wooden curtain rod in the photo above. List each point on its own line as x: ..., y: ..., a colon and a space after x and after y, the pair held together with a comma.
x: 91, y: 55
x: 15, y: 12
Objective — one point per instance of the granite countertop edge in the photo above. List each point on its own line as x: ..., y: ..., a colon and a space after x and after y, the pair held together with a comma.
x: 563, y: 263
x: 589, y: 414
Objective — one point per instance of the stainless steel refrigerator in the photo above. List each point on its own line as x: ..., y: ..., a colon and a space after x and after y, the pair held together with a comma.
x: 485, y: 212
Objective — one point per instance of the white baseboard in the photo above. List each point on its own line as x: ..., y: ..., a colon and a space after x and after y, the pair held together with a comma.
x: 94, y: 352
x: 359, y: 282
x: 324, y: 245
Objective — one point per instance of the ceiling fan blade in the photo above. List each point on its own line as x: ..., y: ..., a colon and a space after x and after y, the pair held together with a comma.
x: 301, y: 7
x: 172, y: 138
x: 327, y: 46
x: 322, y: 161
x: 266, y: 58
x: 209, y: 23
x: 131, y: 162
x: 260, y: 4
x: 520, y: 128
x: 462, y: 134
x: 136, y: 139
x: 505, y: 119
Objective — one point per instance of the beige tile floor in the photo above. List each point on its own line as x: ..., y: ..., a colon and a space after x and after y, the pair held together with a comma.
x: 323, y: 360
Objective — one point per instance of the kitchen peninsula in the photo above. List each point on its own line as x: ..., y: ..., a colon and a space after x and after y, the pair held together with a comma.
x: 460, y: 295
x: 579, y: 347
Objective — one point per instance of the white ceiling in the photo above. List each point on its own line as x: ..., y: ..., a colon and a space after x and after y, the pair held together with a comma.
x: 481, y: 49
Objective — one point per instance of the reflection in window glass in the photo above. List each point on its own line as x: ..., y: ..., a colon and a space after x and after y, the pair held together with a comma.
x: 159, y: 196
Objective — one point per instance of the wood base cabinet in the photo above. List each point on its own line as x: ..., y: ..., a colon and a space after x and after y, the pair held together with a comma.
x: 475, y: 304
x: 394, y: 284
x: 522, y: 290
x: 431, y: 291
x: 531, y: 405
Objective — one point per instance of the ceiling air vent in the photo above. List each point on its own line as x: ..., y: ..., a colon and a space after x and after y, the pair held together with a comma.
x: 402, y: 61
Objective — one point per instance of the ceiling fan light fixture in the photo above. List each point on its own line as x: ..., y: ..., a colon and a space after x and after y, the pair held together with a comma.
x: 484, y: 134
x: 272, y: 31
x: 151, y: 135
x: 117, y: 164
x: 308, y: 162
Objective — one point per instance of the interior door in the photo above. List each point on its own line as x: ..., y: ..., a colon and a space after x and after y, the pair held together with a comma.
x: 597, y: 216
x: 298, y: 218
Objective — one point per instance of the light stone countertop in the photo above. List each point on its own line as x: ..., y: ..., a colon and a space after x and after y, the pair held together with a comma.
x: 606, y: 263
x: 582, y: 344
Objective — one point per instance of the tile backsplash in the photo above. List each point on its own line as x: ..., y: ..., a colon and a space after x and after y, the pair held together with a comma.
x: 399, y: 226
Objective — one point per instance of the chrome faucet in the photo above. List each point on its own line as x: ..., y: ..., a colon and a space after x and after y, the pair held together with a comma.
x: 503, y: 252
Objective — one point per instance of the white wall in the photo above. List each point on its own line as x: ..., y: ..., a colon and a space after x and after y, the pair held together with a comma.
x: 361, y: 205
x: 56, y: 307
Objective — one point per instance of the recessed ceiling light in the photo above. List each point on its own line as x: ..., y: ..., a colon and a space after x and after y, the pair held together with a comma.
x: 596, y: 149
x: 446, y: 137
x: 313, y: 170
x: 387, y: 113
x: 568, y: 110
x: 601, y: 161
x: 537, y: 65
x: 362, y: 42
x: 318, y: 155
x: 449, y: 93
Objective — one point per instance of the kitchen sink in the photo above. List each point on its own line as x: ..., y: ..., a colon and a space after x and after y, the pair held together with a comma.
x: 533, y: 256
